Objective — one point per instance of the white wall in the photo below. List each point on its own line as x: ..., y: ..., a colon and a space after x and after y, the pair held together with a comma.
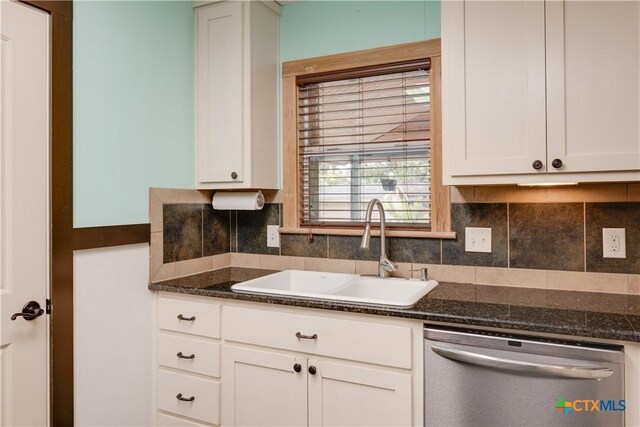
x: 113, y: 337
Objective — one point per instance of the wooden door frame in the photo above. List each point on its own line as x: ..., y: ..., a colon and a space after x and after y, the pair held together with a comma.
x: 61, y: 274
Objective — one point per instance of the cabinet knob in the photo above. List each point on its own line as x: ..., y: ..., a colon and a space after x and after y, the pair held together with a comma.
x: 234, y: 175
x: 537, y: 164
x: 297, y: 367
x: 556, y: 163
x: 312, y: 370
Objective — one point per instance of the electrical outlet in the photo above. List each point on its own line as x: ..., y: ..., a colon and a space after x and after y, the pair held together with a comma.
x: 613, y: 243
x: 477, y: 239
x: 273, y: 236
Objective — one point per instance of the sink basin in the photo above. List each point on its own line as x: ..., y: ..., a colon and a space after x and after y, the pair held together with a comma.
x: 350, y: 288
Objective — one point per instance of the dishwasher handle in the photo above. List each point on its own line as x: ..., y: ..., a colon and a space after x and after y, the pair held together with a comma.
x: 564, y: 371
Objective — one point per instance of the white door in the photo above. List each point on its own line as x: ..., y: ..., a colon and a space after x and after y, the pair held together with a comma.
x: 263, y: 388
x: 493, y: 74
x: 344, y: 394
x: 593, y: 85
x: 24, y: 212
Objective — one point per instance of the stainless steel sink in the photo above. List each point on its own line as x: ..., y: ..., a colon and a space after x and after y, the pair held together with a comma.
x: 351, y: 288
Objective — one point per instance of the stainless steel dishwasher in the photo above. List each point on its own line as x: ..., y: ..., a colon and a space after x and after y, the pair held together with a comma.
x: 478, y: 378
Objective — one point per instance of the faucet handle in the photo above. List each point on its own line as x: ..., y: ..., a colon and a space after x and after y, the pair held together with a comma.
x: 424, y: 273
x: 387, y: 265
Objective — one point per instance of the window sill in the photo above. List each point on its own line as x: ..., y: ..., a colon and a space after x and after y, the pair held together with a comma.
x: 358, y: 232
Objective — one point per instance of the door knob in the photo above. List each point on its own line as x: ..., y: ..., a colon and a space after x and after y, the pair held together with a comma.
x: 30, y: 311
x: 297, y: 367
x: 312, y: 370
x: 537, y: 165
x: 234, y: 175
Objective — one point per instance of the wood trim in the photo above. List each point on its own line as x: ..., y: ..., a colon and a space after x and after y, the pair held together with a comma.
x: 293, y: 70
x: 374, y: 232
x: 290, y: 150
x: 62, y: 409
x: 115, y: 235
x: 57, y: 7
x: 61, y: 293
x: 362, y: 58
x: 440, y: 194
x: 396, y: 67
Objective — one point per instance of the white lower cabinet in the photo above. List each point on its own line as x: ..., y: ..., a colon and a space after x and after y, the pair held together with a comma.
x: 191, y: 396
x: 345, y: 394
x: 166, y: 420
x: 188, y: 355
x: 267, y: 388
x: 250, y: 364
x: 262, y: 388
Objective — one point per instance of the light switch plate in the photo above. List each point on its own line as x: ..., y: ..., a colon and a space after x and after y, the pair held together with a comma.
x: 273, y: 236
x: 613, y: 243
x: 477, y: 239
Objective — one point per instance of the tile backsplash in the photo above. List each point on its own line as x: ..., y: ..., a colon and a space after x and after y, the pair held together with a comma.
x: 526, y: 237
x: 194, y: 231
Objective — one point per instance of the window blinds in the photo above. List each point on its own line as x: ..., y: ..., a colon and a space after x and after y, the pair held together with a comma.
x: 363, y: 136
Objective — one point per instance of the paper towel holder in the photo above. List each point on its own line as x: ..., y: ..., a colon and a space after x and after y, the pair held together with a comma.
x: 238, y: 200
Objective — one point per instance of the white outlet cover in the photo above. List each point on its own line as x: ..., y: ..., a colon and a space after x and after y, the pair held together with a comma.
x: 614, y: 243
x: 273, y: 236
x: 477, y: 239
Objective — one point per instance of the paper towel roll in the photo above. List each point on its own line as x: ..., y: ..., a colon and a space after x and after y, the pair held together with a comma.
x: 241, y: 201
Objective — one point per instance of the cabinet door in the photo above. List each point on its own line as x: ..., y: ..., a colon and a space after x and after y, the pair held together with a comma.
x: 220, y: 93
x: 593, y: 77
x: 493, y: 74
x: 262, y: 388
x: 342, y: 394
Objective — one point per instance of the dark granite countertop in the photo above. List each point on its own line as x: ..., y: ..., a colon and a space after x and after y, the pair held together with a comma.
x: 581, y: 314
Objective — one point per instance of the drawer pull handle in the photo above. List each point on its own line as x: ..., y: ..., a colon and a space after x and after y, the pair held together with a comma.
x: 185, y: 399
x: 182, y: 356
x: 306, y: 337
x: 188, y: 319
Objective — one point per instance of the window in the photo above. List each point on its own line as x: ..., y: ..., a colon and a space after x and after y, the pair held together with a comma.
x: 362, y: 137
x: 353, y: 133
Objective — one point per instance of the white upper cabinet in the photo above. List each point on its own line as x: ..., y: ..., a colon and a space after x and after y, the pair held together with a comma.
x: 538, y: 91
x: 593, y: 85
x: 493, y: 77
x: 237, y: 95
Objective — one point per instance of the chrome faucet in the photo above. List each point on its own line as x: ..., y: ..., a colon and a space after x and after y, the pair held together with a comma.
x: 385, y: 265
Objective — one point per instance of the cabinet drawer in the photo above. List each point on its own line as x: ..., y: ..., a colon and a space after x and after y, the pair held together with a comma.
x: 206, y: 354
x: 205, y: 317
x: 206, y: 393
x: 165, y: 420
x: 381, y: 344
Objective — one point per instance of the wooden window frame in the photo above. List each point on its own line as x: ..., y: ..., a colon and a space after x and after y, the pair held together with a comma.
x: 293, y: 71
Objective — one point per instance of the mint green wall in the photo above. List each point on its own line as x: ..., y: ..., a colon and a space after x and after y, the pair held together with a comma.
x: 315, y: 28
x: 133, y: 106
x: 134, y: 87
